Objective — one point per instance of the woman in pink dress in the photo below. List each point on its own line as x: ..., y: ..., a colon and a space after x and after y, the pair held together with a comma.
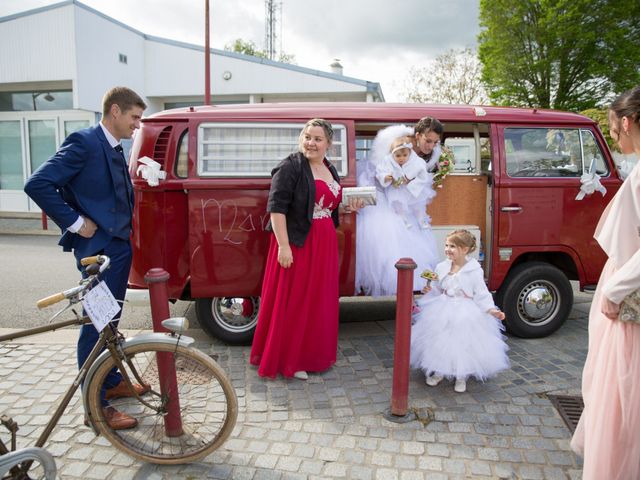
x: 608, y: 433
x: 297, y: 329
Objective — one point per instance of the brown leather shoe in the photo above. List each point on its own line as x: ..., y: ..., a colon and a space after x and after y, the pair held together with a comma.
x: 122, y: 390
x: 118, y: 420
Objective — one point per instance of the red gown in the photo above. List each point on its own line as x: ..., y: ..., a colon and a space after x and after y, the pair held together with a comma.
x: 298, y: 319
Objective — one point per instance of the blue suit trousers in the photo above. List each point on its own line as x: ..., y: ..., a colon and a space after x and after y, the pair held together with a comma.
x: 116, y: 277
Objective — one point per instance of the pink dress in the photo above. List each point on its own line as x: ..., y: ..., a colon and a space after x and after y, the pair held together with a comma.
x: 298, y: 320
x: 608, y: 433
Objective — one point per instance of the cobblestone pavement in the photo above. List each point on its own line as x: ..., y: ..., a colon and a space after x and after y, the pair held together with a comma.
x: 332, y: 426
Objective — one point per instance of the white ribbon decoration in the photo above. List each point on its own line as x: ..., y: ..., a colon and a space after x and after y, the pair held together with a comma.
x: 150, y: 171
x: 590, y: 183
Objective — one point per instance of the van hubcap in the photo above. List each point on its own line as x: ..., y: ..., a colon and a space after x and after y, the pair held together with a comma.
x: 235, y: 314
x: 538, y: 303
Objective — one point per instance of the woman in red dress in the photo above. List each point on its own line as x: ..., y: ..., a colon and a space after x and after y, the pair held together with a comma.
x: 297, y: 329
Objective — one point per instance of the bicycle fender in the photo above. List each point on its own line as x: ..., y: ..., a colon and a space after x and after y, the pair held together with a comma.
x: 143, y: 338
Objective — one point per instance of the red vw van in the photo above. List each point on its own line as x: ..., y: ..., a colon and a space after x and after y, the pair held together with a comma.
x: 516, y: 183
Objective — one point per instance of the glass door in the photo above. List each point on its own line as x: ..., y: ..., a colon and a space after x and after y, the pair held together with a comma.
x: 27, y: 140
x: 11, y: 166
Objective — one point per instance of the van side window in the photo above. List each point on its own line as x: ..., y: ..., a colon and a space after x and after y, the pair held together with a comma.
x: 182, y: 164
x: 551, y: 152
x: 593, y: 154
x: 253, y: 149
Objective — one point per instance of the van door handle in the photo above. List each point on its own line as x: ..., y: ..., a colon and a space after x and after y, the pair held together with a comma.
x: 510, y: 209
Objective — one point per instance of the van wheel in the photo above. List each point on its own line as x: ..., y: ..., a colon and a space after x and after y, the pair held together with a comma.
x: 536, y: 298
x: 230, y: 319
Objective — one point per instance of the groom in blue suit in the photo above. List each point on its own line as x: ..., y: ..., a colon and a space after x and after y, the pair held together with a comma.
x: 86, y: 190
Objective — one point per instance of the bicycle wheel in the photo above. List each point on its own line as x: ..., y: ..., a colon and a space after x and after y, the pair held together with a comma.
x: 208, y: 406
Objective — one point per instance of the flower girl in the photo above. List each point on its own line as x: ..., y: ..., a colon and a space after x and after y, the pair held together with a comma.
x: 458, y: 331
x: 382, y: 236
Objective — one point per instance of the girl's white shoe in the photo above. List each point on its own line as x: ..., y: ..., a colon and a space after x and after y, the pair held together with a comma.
x: 301, y: 375
x: 433, y: 380
x: 461, y: 385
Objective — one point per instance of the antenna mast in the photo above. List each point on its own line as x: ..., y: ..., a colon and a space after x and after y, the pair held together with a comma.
x: 271, y: 8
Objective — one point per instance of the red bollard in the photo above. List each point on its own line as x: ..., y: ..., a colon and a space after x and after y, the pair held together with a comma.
x: 404, y: 302
x: 157, y: 278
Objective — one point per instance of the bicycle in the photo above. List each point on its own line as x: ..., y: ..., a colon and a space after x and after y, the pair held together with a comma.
x: 190, y: 409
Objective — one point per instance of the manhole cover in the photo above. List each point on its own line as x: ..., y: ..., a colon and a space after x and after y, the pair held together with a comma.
x: 569, y: 407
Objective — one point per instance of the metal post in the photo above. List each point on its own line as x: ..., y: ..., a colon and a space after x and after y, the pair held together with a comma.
x: 45, y: 224
x: 157, y: 278
x: 404, y: 300
x: 207, y: 56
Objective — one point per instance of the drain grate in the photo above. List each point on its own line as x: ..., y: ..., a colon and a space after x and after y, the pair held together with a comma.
x: 569, y: 407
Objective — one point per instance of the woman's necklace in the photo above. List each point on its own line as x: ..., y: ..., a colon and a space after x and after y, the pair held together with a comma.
x: 317, y: 168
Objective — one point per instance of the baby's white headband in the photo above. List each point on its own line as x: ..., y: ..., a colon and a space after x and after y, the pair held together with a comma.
x: 401, y: 146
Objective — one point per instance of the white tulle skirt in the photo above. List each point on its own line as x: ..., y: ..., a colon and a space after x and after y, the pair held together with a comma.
x: 382, y: 238
x: 452, y: 337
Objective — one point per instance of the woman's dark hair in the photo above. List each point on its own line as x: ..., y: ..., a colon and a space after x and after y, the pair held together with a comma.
x: 627, y: 104
x: 428, y: 124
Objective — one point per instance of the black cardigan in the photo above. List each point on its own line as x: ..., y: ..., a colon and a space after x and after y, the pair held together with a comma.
x: 293, y: 193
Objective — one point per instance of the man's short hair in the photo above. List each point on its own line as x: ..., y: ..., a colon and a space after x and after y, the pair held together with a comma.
x: 124, y: 97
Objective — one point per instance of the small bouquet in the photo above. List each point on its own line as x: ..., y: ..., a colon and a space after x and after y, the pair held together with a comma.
x: 398, y: 182
x: 445, y: 166
x: 429, y: 275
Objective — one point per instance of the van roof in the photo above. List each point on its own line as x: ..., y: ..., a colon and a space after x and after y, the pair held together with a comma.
x: 368, y: 112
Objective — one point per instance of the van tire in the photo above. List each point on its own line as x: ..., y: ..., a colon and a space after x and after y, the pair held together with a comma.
x: 533, y: 281
x: 230, y: 319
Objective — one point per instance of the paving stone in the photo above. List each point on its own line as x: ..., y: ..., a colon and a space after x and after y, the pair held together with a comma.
x: 267, y: 475
x: 361, y: 473
x: 386, y: 474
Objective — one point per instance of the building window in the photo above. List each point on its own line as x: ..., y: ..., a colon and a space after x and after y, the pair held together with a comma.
x: 35, y: 101
x: 122, y: 58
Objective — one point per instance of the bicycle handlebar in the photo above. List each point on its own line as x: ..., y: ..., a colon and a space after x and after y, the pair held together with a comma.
x: 50, y: 300
x: 89, y: 260
x: 101, y: 260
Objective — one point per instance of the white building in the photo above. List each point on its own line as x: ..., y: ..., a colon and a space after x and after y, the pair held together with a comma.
x: 56, y: 63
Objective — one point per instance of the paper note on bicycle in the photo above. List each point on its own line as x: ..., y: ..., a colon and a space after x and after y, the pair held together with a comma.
x: 100, y: 305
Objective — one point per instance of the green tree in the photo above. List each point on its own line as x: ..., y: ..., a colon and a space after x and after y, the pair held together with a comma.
x: 601, y: 115
x: 245, y: 47
x: 562, y: 54
x: 249, y: 48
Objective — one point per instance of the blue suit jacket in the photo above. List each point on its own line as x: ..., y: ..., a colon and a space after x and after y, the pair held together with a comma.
x: 78, y: 180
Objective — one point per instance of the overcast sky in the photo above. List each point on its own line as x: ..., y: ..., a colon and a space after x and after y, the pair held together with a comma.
x: 375, y: 40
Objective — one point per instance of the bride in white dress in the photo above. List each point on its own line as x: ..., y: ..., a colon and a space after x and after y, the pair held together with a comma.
x: 397, y: 226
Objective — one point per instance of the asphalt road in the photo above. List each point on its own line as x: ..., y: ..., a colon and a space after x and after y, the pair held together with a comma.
x: 34, y: 266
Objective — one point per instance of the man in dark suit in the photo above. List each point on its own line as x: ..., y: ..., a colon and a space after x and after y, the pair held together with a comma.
x: 86, y: 190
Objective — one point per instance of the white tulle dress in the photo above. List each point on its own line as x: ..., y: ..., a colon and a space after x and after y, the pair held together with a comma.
x: 453, y: 335
x: 382, y: 237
